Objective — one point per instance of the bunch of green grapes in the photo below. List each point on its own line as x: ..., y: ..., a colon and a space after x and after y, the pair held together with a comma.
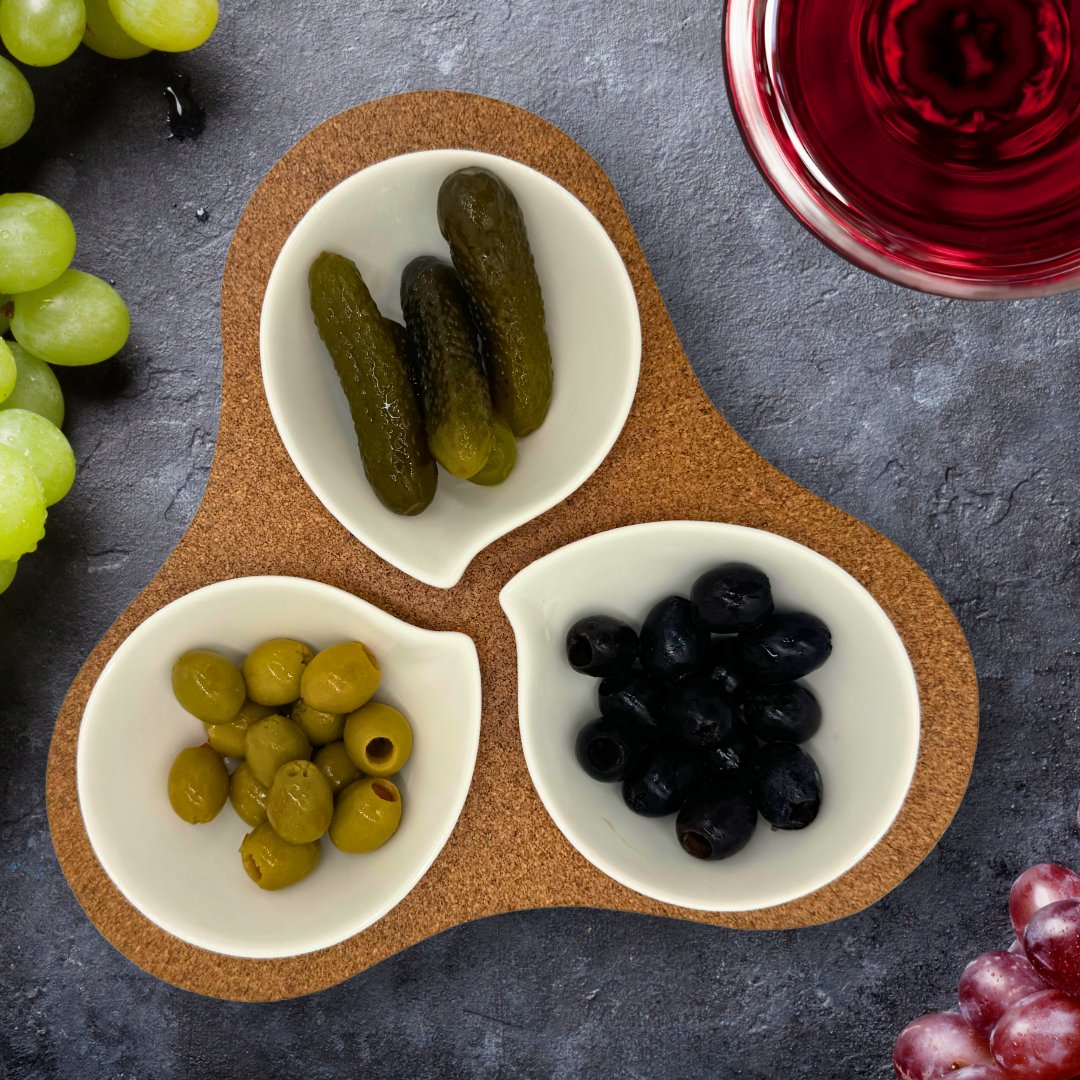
x: 57, y: 316
x: 44, y: 32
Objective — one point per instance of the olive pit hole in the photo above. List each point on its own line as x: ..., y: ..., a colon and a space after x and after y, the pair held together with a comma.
x: 379, y: 749
x: 604, y: 754
x: 580, y: 652
x: 385, y: 793
x: 252, y: 867
x: 695, y: 844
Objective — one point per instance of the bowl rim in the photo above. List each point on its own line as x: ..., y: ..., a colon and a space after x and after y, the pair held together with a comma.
x: 223, y: 590
x: 454, y: 568
x: 532, y: 734
x: 808, y: 209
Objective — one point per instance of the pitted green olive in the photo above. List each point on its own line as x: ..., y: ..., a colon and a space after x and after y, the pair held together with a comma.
x: 341, y: 678
x: 337, y: 766
x: 271, y: 743
x: 378, y: 739
x: 230, y: 738
x: 198, y: 784
x: 273, y: 863
x: 320, y: 727
x: 247, y: 795
x: 367, y: 813
x: 301, y: 803
x: 273, y: 669
x: 208, y: 686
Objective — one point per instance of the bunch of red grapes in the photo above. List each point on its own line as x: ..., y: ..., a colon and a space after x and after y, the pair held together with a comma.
x: 1019, y: 1015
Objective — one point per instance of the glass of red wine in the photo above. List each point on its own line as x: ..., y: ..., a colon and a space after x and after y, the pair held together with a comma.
x: 933, y: 142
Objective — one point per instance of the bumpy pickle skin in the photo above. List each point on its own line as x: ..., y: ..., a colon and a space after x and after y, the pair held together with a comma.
x: 454, y: 391
x: 483, y: 224
x: 374, y: 378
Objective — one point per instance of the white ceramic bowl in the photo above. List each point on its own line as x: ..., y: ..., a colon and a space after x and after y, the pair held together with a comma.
x: 381, y: 218
x: 866, y: 748
x: 189, y: 879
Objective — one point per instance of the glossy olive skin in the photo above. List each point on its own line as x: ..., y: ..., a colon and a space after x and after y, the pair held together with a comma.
x: 732, y: 598
x: 208, y: 685
x: 271, y: 743
x: 301, y: 803
x: 247, y: 795
x: 787, y: 646
x: 366, y: 814
x: 337, y: 766
x: 198, y: 784
x: 273, y: 863
x: 272, y: 671
x: 230, y: 738
x: 698, y: 712
x: 665, y: 776
x: 320, y: 727
x: 633, y: 696
x: 786, y: 712
x: 672, y: 644
x: 787, y: 786
x: 601, y: 645
x: 735, y: 753
x: 378, y: 738
x: 716, y: 821
x: 608, y: 748
x: 723, y: 666
x: 341, y: 678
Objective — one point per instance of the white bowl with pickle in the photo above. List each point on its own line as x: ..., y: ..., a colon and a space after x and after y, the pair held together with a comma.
x: 506, y: 388
x: 267, y: 765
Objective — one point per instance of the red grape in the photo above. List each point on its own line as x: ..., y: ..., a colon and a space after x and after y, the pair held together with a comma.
x: 1037, y: 887
x: 1052, y: 944
x: 1039, y: 1038
x: 979, y: 1072
x: 991, y: 983
x: 936, y: 1045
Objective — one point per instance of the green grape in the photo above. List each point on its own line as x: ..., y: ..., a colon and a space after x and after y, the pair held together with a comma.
x: 8, y: 371
x: 42, y: 32
x: 16, y: 103
x: 46, y: 450
x: 22, y: 506
x: 7, y: 573
x: 36, y: 387
x: 37, y: 240
x: 105, y: 36
x: 168, y: 25
x: 75, y: 320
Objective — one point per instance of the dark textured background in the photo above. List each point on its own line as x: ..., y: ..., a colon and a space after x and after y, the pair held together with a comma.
x: 950, y: 427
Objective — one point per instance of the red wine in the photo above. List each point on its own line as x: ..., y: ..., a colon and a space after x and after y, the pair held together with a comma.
x: 942, y: 135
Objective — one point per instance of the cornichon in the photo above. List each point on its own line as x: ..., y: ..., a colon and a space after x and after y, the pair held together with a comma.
x: 483, y: 225
x: 502, y: 459
x: 454, y: 390
x: 372, y: 373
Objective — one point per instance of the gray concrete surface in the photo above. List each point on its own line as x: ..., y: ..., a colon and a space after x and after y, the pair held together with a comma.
x: 950, y: 427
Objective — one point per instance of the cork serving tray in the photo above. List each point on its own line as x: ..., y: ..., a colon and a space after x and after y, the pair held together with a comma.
x: 258, y: 517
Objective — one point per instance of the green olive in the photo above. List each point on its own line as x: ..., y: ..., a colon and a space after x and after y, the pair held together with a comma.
x: 247, y: 795
x: 273, y: 863
x: 366, y: 814
x: 301, y: 803
x: 198, y: 784
x: 272, y: 742
x: 378, y: 739
x: 229, y: 738
x: 340, y: 679
x: 320, y: 727
x: 273, y: 669
x: 337, y: 766
x: 208, y: 686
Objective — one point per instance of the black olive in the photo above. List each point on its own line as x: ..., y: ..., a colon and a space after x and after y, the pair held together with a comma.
x: 601, y: 645
x: 632, y: 696
x: 672, y: 644
x: 732, y: 598
x: 734, y: 753
x: 787, y: 786
x: 664, y: 778
x: 786, y: 647
x: 608, y: 749
x: 787, y: 712
x: 716, y: 821
x: 698, y: 711
x: 724, y: 667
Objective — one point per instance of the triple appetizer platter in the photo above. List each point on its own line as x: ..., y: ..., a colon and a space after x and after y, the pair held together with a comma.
x: 486, y: 607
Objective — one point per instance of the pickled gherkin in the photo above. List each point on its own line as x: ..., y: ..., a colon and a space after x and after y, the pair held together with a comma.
x: 373, y: 376
x: 502, y: 459
x: 483, y: 224
x: 454, y: 391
